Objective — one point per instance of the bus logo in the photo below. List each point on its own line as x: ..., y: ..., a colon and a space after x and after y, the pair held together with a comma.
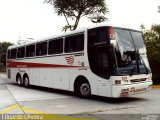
x: 70, y: 60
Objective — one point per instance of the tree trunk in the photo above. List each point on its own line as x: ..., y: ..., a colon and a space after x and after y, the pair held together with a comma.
x: 77, y: 20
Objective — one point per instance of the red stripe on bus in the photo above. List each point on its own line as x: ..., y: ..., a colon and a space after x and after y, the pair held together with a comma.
x: 15, y: 64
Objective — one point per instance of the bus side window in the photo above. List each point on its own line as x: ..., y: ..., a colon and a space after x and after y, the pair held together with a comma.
x: 30, y: 51
x: 92, y: 51
x: 41, y: 49
x: 13, y: 53
x: 74, y: 43
x: 98, y: 52
x: 21, y: 52
x: 55, y: 46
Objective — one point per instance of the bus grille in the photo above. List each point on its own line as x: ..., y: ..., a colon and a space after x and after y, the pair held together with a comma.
x: 138, y: 80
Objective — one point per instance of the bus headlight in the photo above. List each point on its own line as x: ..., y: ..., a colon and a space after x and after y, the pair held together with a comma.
x: 150, y: 78
x: 124, y: 81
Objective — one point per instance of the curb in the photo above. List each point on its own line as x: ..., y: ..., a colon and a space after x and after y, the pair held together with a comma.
x: 156, y: 86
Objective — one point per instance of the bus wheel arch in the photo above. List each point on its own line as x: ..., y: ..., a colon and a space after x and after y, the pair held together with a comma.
x: 19, y: 79
x: 26, y: 82
x: 82, y: 87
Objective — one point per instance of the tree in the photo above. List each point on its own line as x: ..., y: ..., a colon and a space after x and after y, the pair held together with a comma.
x: 3, y: 50
x: 142, y: 28
x: 159, y: 9
x: 74, y: 10
x: 152, y: 40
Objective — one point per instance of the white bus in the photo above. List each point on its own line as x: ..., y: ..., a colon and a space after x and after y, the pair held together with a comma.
x: 105, y: 61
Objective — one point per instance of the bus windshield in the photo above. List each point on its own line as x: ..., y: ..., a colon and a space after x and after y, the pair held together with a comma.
x: 130, y: 53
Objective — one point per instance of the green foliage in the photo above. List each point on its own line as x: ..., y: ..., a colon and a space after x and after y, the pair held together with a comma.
x: 152, y: 39
x: 73, y: 10
x: 3, y: 50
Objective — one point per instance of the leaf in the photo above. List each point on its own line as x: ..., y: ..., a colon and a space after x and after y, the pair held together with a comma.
x: 152, y: 40
x: 75, y: 9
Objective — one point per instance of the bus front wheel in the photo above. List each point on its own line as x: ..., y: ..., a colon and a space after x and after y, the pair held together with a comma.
x: 83, y: 89
x: 26, y: 81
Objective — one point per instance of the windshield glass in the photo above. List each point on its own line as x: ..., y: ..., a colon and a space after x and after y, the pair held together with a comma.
x: 130, y: 53
x: 140, y: 46
x: 139, y: 42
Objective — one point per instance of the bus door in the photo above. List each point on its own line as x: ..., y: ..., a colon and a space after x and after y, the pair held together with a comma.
x: 102, y: 66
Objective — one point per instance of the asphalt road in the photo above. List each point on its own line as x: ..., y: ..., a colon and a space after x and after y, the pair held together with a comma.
x: 19, y: 100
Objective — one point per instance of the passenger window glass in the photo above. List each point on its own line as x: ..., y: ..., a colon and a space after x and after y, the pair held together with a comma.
x: 21, y: 52
x: 74, y: 43
x: 55, y: 46
x: 98, y: 52
x: 30, y: 51
x: 41, y: 49
x: 13, y: 53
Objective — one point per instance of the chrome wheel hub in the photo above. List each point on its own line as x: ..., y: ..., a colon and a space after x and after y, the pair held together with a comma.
x: 19, y: 81
x: 26, y: 81
x: 85, y: 89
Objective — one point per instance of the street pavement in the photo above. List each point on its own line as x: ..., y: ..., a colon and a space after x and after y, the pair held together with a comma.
x: 19, y: 100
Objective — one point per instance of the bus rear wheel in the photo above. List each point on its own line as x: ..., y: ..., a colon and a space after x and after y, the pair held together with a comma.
x: 19, y: 81
x: 26, y: 82
x: 83, y: 89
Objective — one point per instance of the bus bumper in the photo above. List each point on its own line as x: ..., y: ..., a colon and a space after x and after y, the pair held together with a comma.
x: 131, y: 89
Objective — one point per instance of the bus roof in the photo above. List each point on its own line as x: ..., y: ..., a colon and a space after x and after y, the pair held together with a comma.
x: 66, y: 34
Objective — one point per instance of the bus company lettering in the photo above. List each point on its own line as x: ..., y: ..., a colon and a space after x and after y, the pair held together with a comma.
x: 133, y: 90
x: 21, y: 66
x: 23, y: 71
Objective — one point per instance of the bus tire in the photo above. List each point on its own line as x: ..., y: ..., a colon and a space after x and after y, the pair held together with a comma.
x: 26, y: 81
x: 19, y: 80
x: 83, y: 89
